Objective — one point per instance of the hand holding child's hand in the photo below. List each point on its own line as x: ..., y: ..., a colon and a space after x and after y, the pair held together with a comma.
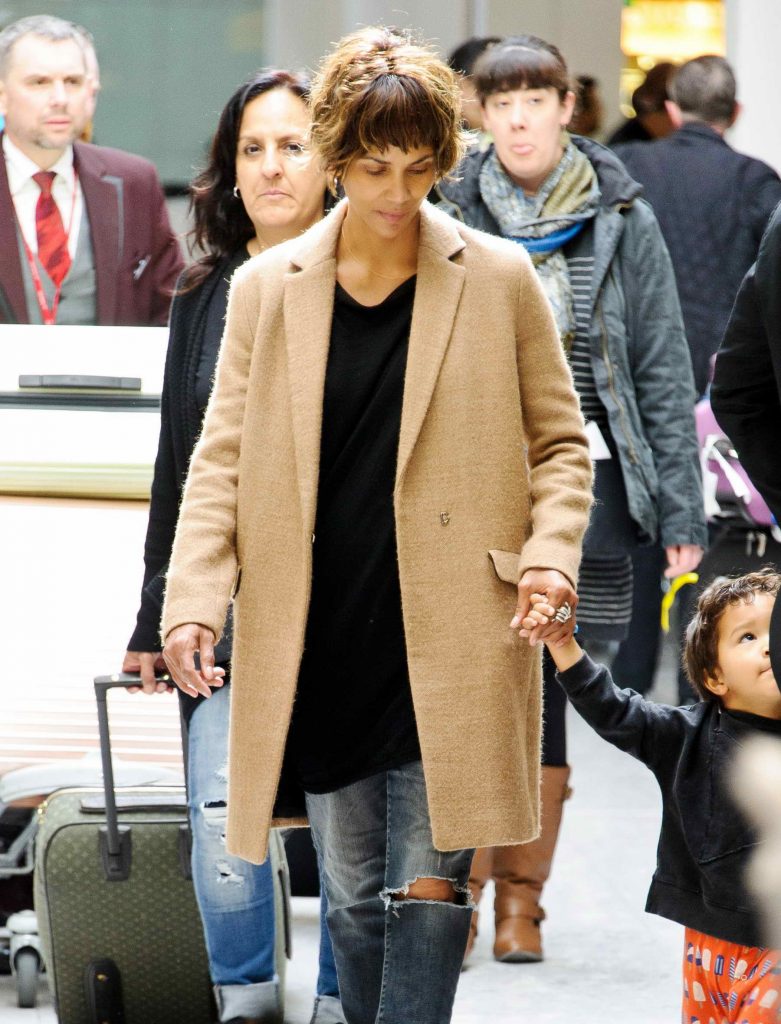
x: 562, y: 645
x: 552, y: 587
x: 540, y: 615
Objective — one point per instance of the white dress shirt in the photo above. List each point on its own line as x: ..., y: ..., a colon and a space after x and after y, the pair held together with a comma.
x: 25, y: 192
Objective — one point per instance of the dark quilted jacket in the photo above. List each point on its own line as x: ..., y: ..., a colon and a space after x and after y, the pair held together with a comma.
x: 713, y: 205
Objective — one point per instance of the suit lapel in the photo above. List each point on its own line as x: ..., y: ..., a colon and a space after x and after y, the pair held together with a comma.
x: 104, y: 202
x: 11, y: 279
x: 308, y: 312
x: 437, y: 294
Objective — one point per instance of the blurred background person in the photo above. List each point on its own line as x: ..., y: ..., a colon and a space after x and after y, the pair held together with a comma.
x: 260, y: 187
x: 603, y: 265
x: 84, y: 229
x: 462, y: 61
x: 651, y: 120
x: 712, y: 205
x: 588, y: 117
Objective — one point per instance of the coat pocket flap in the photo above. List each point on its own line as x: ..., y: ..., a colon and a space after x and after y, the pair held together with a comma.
x: 506, y: 565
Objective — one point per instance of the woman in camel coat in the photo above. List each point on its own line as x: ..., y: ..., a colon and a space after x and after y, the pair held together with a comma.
x: 471, y: 516
x: 489, y: 484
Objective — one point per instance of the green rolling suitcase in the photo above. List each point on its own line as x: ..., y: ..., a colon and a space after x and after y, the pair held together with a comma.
x: 119, y: 924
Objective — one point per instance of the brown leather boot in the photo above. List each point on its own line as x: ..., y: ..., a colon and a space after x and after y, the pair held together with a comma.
x: 520, y: 873
x: 478, y: 876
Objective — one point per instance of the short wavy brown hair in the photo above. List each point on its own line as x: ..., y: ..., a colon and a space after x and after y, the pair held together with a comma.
x: 381, y: 88
x: 701, y: 649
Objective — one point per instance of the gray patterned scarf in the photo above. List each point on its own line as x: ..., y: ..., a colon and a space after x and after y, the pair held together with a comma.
x: 568, y: 196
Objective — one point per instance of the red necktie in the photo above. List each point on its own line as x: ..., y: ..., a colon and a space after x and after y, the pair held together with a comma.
x: 52, y: 240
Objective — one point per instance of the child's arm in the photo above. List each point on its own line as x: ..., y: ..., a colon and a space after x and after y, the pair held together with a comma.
x: 567, y: 655
x: 622, y: 717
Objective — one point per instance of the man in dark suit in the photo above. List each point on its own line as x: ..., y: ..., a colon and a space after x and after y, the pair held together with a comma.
x: 712, y: 203
x: 746, y: 393
x: 84, y: 230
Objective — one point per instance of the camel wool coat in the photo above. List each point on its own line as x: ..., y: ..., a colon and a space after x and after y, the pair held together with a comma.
x: 493, y: 477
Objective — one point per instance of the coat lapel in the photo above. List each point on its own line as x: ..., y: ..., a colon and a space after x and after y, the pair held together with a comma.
x: 437, y: 294
x: 308, y: 312
x: 104, y: 201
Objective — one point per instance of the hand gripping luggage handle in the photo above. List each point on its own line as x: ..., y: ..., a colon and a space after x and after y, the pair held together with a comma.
x: 115, y: 839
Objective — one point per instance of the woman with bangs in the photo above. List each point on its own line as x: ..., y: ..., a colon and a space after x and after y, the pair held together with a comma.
x: 604, y: 267
x: 392, y: 462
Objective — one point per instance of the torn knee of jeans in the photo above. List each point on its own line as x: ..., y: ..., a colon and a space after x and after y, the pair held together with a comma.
x: 226, y: 875
x: 221, y: 774
x: 458, y: 895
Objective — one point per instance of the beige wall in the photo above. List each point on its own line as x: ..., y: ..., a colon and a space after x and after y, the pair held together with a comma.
x: 297, y: 32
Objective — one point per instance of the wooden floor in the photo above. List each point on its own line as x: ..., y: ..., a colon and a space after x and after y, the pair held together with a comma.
x: 71, y: 577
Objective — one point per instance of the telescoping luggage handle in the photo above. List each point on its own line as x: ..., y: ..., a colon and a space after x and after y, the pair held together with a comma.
x: 115, y: 839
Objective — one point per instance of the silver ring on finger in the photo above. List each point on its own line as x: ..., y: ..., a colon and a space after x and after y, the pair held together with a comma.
x: 563, y: 613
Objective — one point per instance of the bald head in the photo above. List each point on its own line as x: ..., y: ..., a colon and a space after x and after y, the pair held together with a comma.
x: 704, y: 89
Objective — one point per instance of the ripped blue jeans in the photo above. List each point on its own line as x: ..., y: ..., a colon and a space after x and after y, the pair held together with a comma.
x: 398, y: 960
x: 235, y: 897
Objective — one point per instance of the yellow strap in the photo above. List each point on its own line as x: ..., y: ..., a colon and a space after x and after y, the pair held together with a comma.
x: 669, y: 597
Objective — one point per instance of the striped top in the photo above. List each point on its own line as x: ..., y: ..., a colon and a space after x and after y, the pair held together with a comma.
x: 605, y: 584
x: 581, y: 273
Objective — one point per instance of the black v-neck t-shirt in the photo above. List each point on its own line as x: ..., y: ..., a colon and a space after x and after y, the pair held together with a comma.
x: 353, y: 716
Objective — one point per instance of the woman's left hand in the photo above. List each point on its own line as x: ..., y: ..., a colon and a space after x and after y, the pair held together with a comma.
x: 682, y: 558
x: 558, y: 592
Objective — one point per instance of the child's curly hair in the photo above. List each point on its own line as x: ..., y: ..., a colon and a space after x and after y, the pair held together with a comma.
x: 380, y: 88
x: 700, y: 653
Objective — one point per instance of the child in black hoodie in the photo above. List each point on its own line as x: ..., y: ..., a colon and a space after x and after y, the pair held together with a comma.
x: 705, y: 842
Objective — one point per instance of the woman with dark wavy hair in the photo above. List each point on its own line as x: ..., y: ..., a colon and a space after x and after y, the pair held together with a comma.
x: 260, y: 187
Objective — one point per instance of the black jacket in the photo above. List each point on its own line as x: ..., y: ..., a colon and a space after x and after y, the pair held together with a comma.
x: 631, y: 130
x: 705, y: 842
x: 180, y: 427
x: 746, y: 393
x: 713, y: 205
